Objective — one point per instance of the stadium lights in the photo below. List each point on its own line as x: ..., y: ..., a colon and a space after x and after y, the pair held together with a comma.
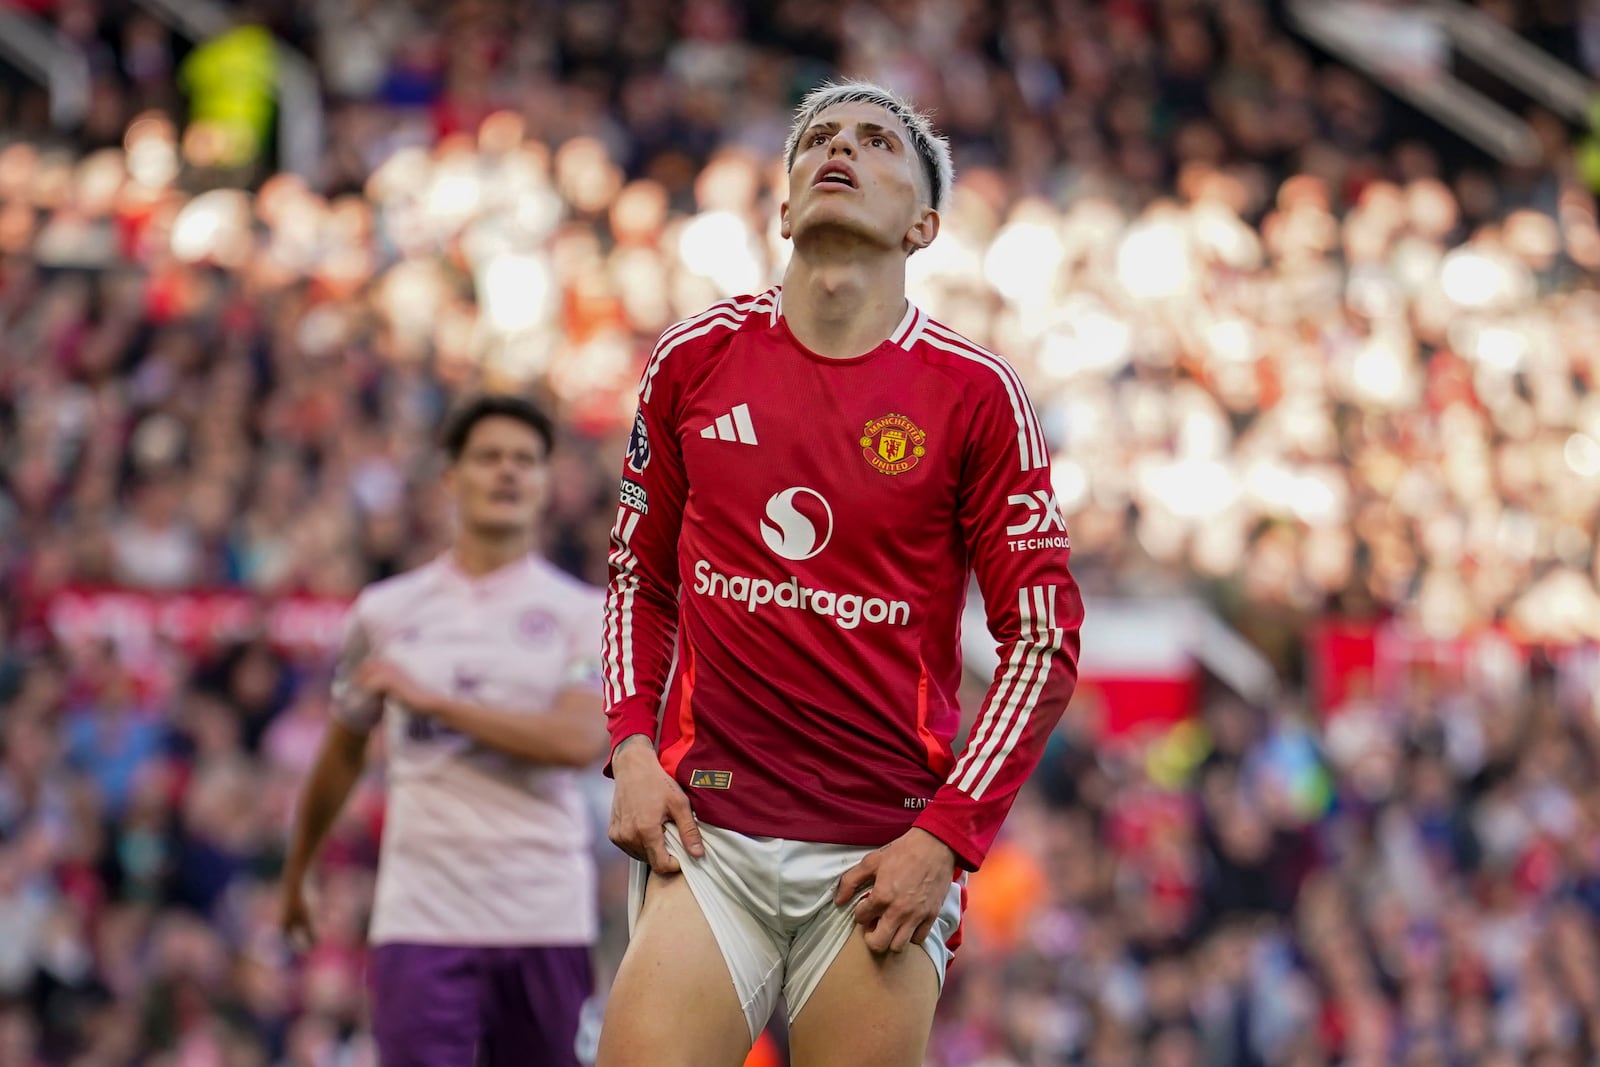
x: 1502, y: 347
x: 454, y: 195
x: 718, y: 245
x: 1087, y: 339
x: 214, y: 225
x: 1192, y: 489
x: 1071, y: 484
x: 514, y: 291
x: 1472, y: 279
x: 1153, y: 262
x: 152, y: 151
x: 1023, y: 261
x: 1582, y: 454
x: 1382, y: 373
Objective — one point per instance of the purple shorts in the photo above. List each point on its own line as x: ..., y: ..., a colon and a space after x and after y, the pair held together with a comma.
x: 464, y: 1006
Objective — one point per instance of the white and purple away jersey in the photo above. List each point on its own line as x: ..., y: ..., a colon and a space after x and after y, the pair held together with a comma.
x: 478, y: 847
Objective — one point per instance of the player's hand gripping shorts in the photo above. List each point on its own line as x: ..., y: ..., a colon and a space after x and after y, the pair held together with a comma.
x: 769, y: 902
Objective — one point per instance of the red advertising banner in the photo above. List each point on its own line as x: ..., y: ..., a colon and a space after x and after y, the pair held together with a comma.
x: 1379, y: 659
x: 142, y: 624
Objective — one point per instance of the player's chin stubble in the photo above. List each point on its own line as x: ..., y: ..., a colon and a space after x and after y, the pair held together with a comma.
x: 840, y: 225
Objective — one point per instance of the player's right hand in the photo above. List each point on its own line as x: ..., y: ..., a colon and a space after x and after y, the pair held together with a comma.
x: 294, y: 918
x: 645, y: 800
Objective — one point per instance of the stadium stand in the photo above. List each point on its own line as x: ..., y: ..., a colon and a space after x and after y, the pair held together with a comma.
x: 1305, y: 353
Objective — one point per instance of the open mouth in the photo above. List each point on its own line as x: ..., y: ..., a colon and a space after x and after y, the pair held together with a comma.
x: 835, y: 174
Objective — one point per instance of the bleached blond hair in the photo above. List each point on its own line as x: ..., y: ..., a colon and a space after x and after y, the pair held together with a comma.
x: 933, y: 151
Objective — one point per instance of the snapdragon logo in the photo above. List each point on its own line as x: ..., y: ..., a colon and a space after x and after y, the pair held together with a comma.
x: 790, y: 532
x: 847, y: 610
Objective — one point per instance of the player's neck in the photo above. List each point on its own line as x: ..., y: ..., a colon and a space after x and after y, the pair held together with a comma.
x: 478, y: 555
x: 844, y: 309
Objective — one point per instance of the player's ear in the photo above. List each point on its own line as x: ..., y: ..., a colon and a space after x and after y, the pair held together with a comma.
x: 923, y: 231
x: 784, y: 229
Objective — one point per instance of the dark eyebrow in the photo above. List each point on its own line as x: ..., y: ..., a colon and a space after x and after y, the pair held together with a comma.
x: 874, y: 128
x: 819, y: 127
x: 865, y: 127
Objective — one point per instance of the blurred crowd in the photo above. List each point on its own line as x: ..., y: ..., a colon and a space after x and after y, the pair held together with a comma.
x: 1292, y: 347
x: 1415, y: 886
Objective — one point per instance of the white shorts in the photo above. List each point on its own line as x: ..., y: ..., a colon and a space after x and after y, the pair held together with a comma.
x: 769, y: 902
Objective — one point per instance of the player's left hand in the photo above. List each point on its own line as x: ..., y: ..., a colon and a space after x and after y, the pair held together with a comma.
x: 385, y: 679
x: 909, y: 879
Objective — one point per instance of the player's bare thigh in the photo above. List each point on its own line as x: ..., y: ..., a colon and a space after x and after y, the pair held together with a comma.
x: 868, y: 1010
x: 673, y: 1003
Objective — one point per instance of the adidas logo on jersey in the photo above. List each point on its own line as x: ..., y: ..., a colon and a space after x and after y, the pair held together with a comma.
x: 734, y: 426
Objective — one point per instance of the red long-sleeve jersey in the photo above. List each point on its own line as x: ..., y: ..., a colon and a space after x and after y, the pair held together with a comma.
x: 789, y: 565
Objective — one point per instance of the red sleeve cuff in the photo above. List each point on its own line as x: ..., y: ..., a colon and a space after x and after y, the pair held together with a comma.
x: 951, y: 822
x: 635, y: 716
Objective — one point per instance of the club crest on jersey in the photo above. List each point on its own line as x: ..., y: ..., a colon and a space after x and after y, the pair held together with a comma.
x: 537, y: 625
x: 639, y: 444
x: 893, y: 444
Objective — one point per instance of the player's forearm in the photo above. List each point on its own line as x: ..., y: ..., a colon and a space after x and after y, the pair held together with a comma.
x: 572, y: 734
x: 340, y: 762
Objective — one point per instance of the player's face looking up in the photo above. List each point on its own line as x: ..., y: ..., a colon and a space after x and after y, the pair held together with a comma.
x: 499, y: 482
x: 857, y: 175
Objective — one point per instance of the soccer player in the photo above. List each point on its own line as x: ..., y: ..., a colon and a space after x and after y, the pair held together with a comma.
x: 812, y: 475
x: 485, y: 666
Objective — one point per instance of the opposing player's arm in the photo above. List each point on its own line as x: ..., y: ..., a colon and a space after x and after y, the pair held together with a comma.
x: 340, y: 761
x: 1017, y: 541
x: 569, y: 733
x: 641, y: 610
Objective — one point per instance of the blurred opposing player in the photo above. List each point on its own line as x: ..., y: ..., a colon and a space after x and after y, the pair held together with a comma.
x: 484, y: 664
x: 812, y: 475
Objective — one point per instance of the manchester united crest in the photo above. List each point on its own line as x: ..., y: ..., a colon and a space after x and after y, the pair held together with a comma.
x: 893, y: 444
